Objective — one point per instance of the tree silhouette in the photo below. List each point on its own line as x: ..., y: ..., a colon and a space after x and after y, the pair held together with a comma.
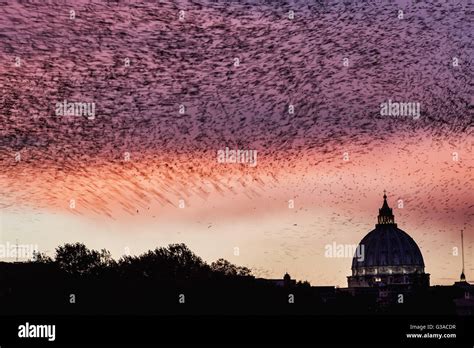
x: 176, y: 261
x: 77, y: 259
x: 228, y: 269
x: 40, y: 257
x: 173, y: 263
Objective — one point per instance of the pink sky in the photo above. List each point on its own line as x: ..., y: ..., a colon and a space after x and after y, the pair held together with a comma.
x: 335, y: 201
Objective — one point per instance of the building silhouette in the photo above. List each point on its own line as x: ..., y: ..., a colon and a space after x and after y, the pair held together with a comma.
x: 390, y: 258
x: 286, y: 282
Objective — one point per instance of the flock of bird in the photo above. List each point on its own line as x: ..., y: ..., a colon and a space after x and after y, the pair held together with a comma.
x: 175, y: 81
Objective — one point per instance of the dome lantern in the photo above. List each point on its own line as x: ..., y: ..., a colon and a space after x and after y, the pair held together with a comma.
x: 385, y: 213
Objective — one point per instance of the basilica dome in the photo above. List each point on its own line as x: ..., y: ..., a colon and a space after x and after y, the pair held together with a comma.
x: 388, y: 245
x: 386, y: 254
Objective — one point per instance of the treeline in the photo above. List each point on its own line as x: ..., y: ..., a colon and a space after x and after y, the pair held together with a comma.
x: 173, y: 263
x: 166, y: 280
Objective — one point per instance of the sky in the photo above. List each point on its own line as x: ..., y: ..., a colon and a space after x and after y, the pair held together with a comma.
x: 170, y: 89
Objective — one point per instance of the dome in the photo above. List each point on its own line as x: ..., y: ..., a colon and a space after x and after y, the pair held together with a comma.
x: 388, y: 245
x: 387, y: 249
